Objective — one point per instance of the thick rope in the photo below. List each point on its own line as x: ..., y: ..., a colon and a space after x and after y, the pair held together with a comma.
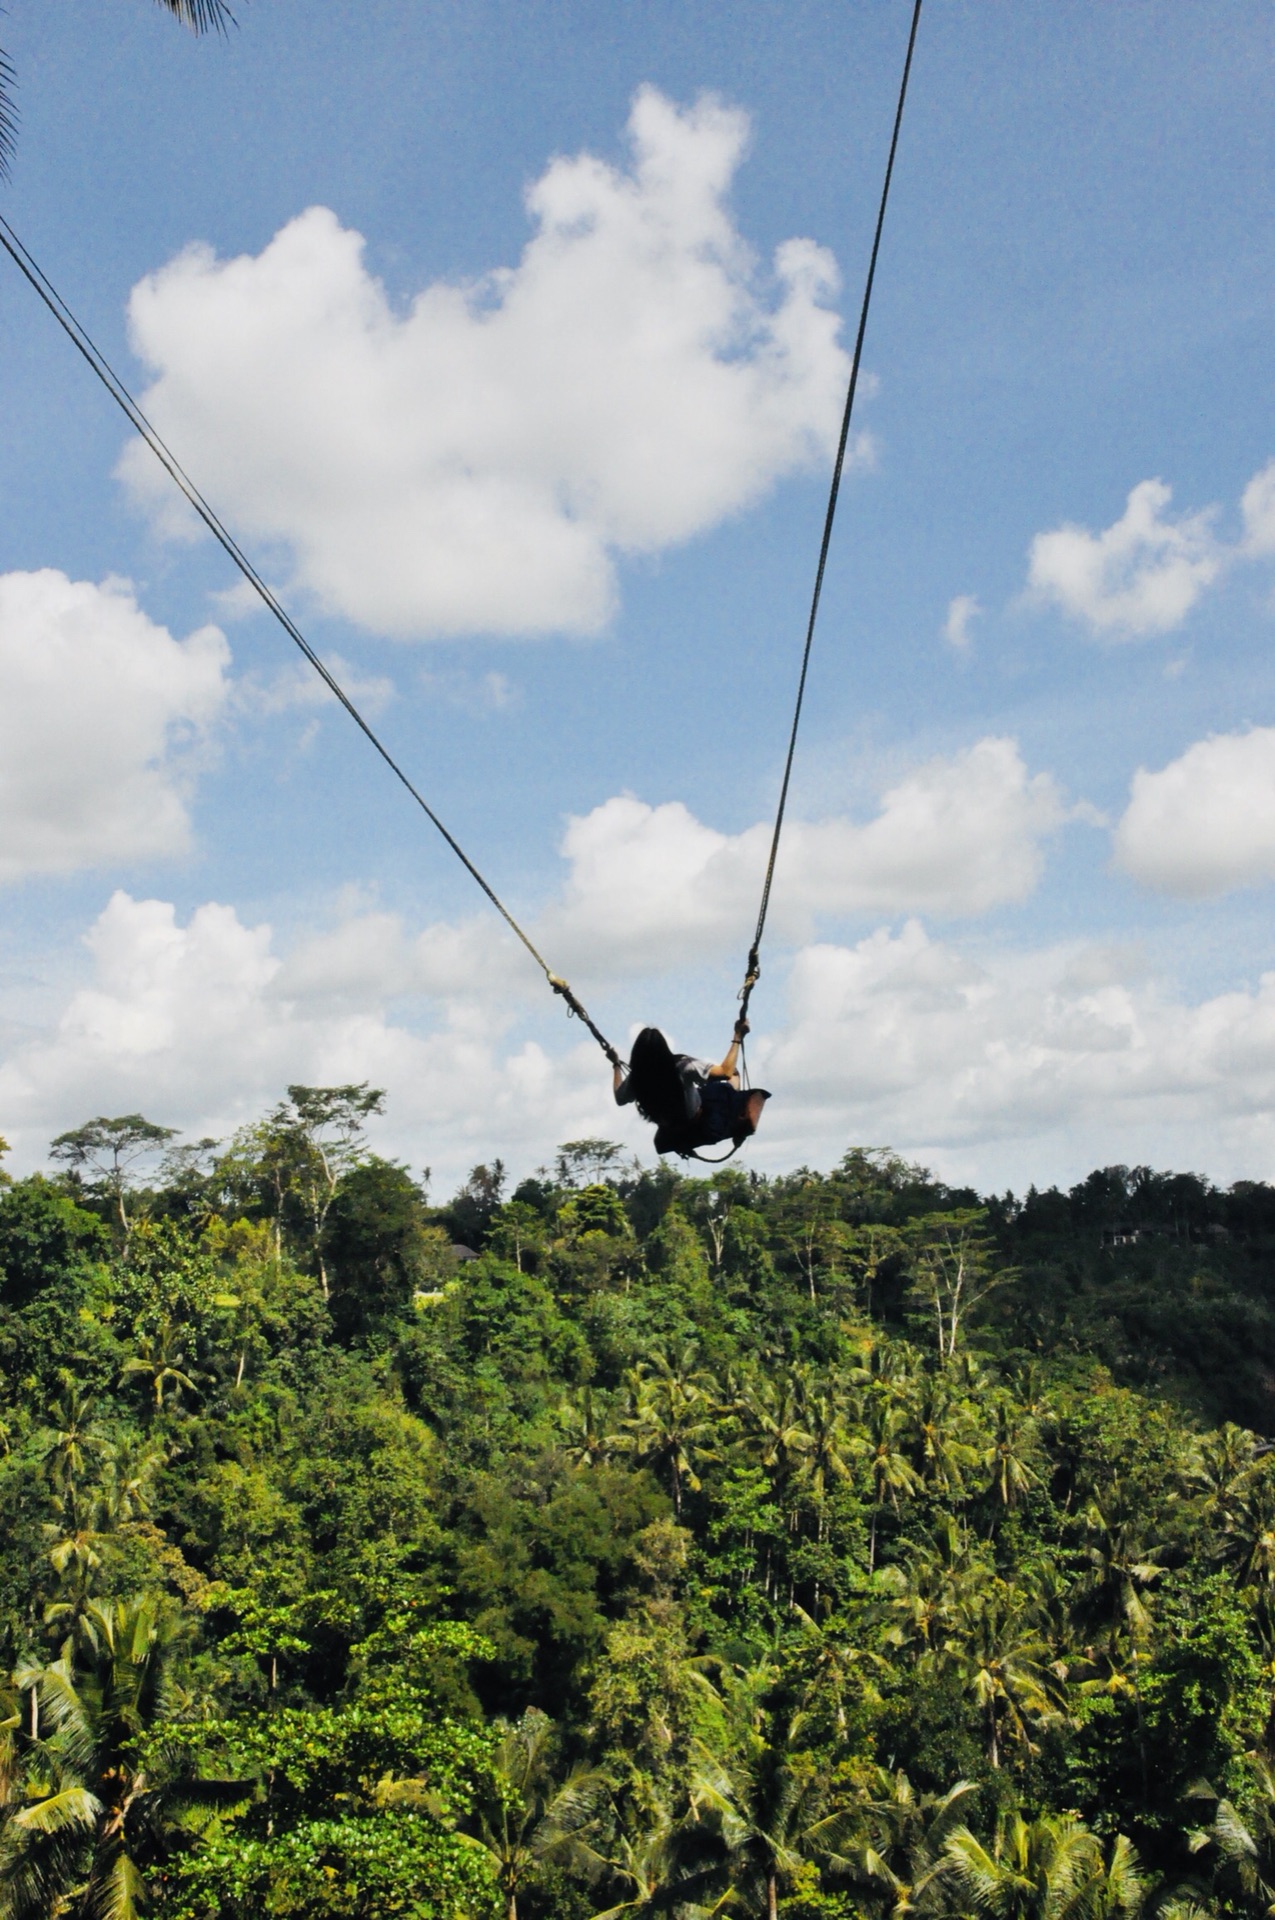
x: 753, y: 970
x: 128, y: 406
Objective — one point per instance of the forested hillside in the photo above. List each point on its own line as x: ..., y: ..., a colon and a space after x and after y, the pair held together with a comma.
x: 831, y: 1545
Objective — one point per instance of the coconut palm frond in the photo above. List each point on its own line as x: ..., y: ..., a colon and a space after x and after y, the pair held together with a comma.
x: 201, y: 16
x: 1232, y: 1834
x: 120, y: 1893
x: 975, y: 1869
x: 73, y: 1807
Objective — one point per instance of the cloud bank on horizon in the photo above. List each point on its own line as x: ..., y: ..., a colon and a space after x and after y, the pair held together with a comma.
x: 896, y: 1037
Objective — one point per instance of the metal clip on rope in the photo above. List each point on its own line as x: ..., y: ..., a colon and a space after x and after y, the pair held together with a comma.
x: 578, y: 1012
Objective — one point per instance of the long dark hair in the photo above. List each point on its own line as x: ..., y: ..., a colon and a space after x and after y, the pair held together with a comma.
x: 657, y: 1089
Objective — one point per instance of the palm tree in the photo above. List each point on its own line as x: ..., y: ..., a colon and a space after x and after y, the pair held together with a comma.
x: 162, y: 1357
x: 127, y: 1483
x: 1042, y: 1869
x: 673, y: 1424
x: 1243, y: 1846
x: 660, y: 1870
x: 828, y: 1456
x: 890, y: 1470
x: 75, y: 1540
x: 1223, y: 1462
x: 1009, y: 1453
x: 1114, y: 1588
x: 1003, y: 1662
x: 938, y: 1578
x: 763, y: 1792
x: 1247, y: 1528
x: 902, y: 1859
x: 938, y: 1423
x: 69, y: 1441
x: 532, y: 1819
x: 828, y: 1668
x: 1118, y: 1889
x: 771, y: 1418
x: 586, y: 1437
x: 201, y: 16
x: 85, y: 1817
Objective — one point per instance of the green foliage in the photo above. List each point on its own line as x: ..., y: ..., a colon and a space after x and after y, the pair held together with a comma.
x: 843, y: 1546
x: 45, y: 1241
x: 377, y: 1241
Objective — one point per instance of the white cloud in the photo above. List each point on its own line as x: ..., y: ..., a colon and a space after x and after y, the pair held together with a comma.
x: 202, y: 1026
x: 1019, y: 1065
x: 650, y: 885
x: 1006, y: 1065
x: 956, y: 628
x: 651, y: 889
x: 1141, y: 576
x: 1257, y: 508
x: 97, y: 705
x: 1206, y: 822
x: 474, y: 463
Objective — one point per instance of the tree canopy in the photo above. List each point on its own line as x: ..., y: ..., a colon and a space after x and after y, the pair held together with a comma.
x: 839, y: 1546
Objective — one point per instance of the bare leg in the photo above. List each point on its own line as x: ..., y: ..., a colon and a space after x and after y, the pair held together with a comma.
x: 753, y: 1109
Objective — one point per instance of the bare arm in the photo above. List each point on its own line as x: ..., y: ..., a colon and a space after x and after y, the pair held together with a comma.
x: 726, y: 1070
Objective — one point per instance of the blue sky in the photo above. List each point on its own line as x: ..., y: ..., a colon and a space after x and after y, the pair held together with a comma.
x: 542, y: 467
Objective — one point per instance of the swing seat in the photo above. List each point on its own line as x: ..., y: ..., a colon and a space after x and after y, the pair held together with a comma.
x: 722, y: 1116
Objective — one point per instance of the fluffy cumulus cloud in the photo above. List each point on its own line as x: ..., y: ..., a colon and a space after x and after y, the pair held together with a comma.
x: 202, y: 1025
x: 1140, y: 576
x: 1001, y: 1066
x: 1205, y: 823
x: 98, y: 709
x: 997, y: 1059
x: 475, y: 462
x: 650, y: 885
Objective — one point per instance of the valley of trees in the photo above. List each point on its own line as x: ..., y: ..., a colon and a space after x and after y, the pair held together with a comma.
x: 833, y: 1547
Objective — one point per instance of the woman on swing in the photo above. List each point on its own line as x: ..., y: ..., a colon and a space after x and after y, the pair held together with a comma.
x: 689, y: 1103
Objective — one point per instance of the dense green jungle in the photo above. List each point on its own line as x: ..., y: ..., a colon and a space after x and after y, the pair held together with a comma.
x: 836, y: 1546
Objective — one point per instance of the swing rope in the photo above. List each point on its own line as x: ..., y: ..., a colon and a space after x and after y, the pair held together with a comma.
x: 168, y: 460
x: 84, y: 345
x: 753, y: 970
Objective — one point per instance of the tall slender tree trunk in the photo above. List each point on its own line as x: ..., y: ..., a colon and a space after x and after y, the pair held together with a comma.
x: 772, y: 1897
